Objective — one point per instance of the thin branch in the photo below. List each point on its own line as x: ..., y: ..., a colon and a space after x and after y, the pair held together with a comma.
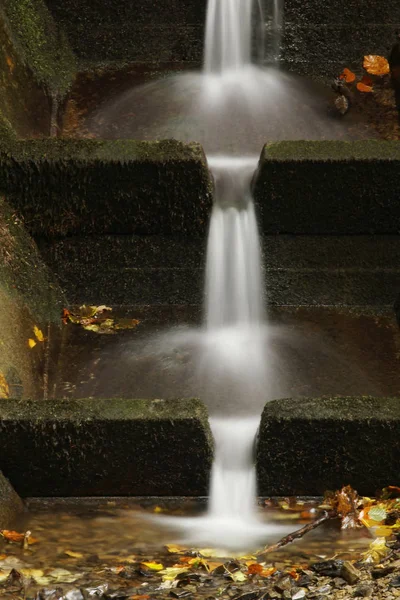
x: 288, y: 539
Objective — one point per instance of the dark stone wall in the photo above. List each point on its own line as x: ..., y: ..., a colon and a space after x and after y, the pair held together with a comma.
x: 318, y: 38
x: 139, y: 31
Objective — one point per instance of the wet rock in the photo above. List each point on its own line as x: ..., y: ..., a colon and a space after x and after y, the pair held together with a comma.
x: 349, y: 573
x: 249, y: 596
x: 180, y: 593
x: 298, y: 595
x: 284, y: 584
x: 329, y: 568
x: 363, y: 591
x: 378, y: 573
x: 95, y: 592
x: 74, y: 595
x: 395, y: 582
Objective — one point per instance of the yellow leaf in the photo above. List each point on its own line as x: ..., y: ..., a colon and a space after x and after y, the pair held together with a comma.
x: 384, y: 531
x: 238, y: 576
x: 73, y: 554
x: 377, y: 551
x: 4, y: 389
x: 173, y: 548
x: 376, y: 65
x: 153, y: 566
x: 39, y: 334
x: 31, y: 343
x: 170, y: 573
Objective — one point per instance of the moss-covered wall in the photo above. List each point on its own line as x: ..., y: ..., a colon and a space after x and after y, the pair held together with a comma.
x: 36, y: 67
x: 24, y: 106
x: 28, y: 298
x: 67, y: 187
x: 40, y: 44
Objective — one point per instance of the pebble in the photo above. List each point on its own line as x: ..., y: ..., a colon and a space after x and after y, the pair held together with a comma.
x: 363, y: 591
x: 349, y: 573
x: 299, y: 594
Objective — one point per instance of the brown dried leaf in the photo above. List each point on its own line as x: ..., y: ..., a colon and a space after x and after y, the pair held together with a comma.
x: 4, y: 388
x: 376, y: 65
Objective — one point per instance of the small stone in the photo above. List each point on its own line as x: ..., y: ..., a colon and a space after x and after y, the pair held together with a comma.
x: 325, y: 589
x: 363, y: 591
x: 287, y: 595
x: 299, y: 594
x: 286, y: 583
x: 382, y: 572
x: 395, y: 582
x: 330, y: 568
x: 339, y: 582
x: 349, y: 573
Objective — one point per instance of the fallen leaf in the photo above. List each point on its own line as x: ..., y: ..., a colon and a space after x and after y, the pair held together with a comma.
x: 376, y: 65
x: 174, y: 548
x: 365, y: 89
x: 73, y: 554
x: 4, y: 388
x: 39, y: 334
x: 153, y: 566
x: 170, y: 573
x: 377, y: 551
x: 347, y: 75
x: 237, y: 576
x: 255, y: 569
x: 18, y: 538
x: 31, y: 343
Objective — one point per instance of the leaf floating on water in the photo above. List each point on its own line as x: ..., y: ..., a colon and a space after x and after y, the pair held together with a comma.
x: 153, y: 566
x: 171, y: 573
x: 376, y: 65
x: 17, y: 538
x: 175, y: 548
x: 73, y: 554
x: 97, y: 319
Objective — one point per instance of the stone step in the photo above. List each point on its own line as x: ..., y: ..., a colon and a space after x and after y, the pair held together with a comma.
x: 311, y: 445
x: 299, y: 270
x: 106, y: 447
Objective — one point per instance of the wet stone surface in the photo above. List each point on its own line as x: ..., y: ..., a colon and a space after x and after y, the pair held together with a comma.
x: 321, y: 351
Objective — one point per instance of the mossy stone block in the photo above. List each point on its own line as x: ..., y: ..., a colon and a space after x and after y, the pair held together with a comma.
x: 106, y: 447
x: 68, y: 187
x: 11, y: 504
x: 310, y: 445
x: 329, y: 187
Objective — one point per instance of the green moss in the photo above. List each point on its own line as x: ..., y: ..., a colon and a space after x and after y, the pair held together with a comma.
x: 331, y: 150
x: 339, y: 408
x: 7, y: 133
x: 42, y: 46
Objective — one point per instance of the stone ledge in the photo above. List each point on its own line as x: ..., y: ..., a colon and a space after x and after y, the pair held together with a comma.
x: 68, y: 187
x: 311, y: 445
x: 329, y: 188
x: 106, y: 447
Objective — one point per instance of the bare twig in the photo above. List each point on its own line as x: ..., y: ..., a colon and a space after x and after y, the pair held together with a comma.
x: 288, y: 539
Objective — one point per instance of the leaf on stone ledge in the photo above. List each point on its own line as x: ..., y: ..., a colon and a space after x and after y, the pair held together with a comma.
x: 365, y: 89
x: 347, y: 75
x: 376, y: 65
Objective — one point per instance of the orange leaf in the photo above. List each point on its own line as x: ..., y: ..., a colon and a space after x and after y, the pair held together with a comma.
x: 268, y: 572
x: 347, y: 75
x: 255, y: 569
x: 12, y: 536
x: 376, y: 65
x: 364, y: 88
